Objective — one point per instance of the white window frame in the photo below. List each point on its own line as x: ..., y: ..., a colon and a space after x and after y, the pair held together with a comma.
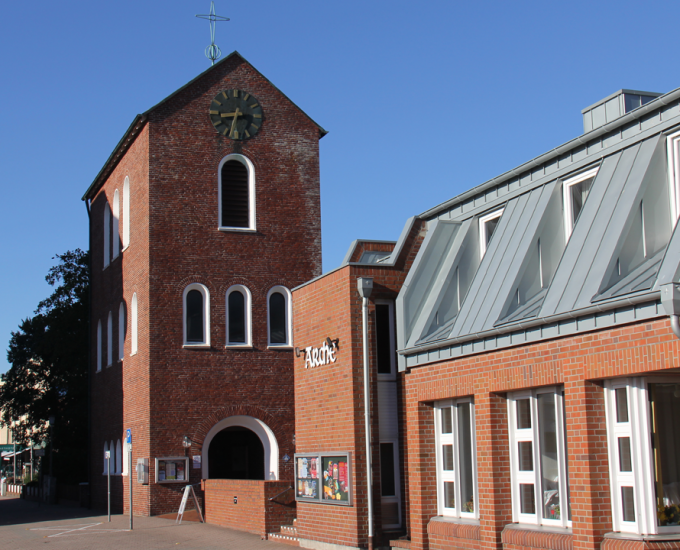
x: 107, y: 234
x: 206, y: 316
x: 393, y: 345
x: 454, y: 476
x: 133, y: 325
x: 126, y: 213
x: 289, y: 318
x: 116, y: 231
x: 639, y: 429
x: 99, y: 345
x: 396, y: 498
x: 109, y: 340
x: 569, y: 221
x: 482, y: 229
x: 248, y: 301
x: 673, y: 153
x: 534, y: 477
x: 251, y: 194
x: 121, y: 331
x: 112, y: 460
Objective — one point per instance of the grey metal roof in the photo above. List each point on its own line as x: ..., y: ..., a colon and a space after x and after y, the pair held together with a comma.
x: 601, y: 276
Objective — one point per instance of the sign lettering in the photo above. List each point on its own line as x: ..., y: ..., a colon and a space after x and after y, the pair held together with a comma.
x: 316, y: 357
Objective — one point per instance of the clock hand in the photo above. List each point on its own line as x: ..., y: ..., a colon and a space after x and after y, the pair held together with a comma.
x: 233, y: 123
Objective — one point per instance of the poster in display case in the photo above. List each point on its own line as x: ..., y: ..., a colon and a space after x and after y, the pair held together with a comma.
x: 323, y: 478
x: 172, y: 469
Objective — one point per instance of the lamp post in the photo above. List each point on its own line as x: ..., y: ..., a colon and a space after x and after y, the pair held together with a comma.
x: 50, y: 482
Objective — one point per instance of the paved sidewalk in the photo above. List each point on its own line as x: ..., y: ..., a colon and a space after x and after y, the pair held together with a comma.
x: 25, y: 525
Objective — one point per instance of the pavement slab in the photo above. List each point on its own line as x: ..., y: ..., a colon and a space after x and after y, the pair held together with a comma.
x: 27, y: 525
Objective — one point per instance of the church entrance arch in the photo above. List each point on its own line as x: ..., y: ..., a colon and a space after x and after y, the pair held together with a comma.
x: 240, y: 447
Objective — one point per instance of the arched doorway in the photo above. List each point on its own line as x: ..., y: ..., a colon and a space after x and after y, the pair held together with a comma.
x: 236, y: 453
x: 227, y: 442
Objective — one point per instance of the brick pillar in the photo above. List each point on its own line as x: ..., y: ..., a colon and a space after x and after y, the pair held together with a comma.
x: 588, y: 463
x: 493, y: 468
x: 422, y: 478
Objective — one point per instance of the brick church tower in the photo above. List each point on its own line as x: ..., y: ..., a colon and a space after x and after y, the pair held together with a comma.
x: 204, y: 216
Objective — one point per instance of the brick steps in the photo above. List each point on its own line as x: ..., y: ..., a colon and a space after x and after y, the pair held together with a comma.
x: 287, y: 535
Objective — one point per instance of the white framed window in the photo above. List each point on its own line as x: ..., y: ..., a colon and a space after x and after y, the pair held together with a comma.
x: 126, y: 213
x: 236, y: 194
x: 109, y: 340
x: 112, y: 462
x: 538, y: 457
x: 279, y: 317
x: 121, y: 331
x: 196, y: 318
x: 99, y: 345
x: 119, y: 458
x: 133, y: 325
x: 673, y: 151
x: 575, y: 192
x: 457, y: 493
x: 643, y: 440
x: 239, y: 315
x: 116, y: 232
x: 107, y: 235
x: 390, y: 486
x: 487, y: 227
x: 385, y: 340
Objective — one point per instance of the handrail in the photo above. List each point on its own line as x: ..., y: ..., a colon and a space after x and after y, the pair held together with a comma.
x: 282, y: 492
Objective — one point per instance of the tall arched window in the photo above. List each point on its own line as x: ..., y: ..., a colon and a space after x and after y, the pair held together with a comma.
x: 121, y: 331
x: 279, y: 318
x: 107, y: 234
x: 112, y: 462
x: 115, y: 233
x: 119, y: 458
x: 126, y: 213
x: 239, y: 327
x: 236, y: 194
x: 109, y: 340
x: 133, y: 325
x: 99, y: 345
x: 196, y: 316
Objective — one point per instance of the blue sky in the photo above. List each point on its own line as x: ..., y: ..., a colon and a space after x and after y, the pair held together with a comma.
x: 422, y: 101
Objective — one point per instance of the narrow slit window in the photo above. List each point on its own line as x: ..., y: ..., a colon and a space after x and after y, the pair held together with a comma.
x: 487, y: 228
x: 237, y: 318
x: 576, y: 191
x: 279, y: 316
x: 196, y: 316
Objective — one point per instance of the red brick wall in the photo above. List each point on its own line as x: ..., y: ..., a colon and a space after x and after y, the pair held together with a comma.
x: 167, y: 392
x: 253, y: 512
x: 576, y: 362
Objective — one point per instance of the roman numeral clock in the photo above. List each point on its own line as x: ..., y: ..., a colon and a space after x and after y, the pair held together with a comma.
x: 236, y: 114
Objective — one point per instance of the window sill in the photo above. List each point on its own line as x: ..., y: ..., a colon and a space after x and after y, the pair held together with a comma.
x: 284, y: 347
x: 238, y: 346
x: 237, y: 229
x: 196, y: 346
x: 651, y: 538
x: 124, y: 248
x: 537, y: 536
x: 459, y: 528
x: 133, y: 354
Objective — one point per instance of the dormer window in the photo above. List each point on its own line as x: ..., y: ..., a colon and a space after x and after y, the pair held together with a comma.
x: 576, y: 192
x: 674, y: 175
x: 487, y: 227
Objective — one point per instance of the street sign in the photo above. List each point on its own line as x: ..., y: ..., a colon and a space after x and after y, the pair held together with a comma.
x: 107, y: 454
x: 4, y: 448
x: 128, y: 436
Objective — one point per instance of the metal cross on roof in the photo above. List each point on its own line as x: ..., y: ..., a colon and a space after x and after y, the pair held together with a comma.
x: 213, y: 52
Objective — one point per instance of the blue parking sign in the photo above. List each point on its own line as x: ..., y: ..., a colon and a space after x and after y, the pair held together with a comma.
x: 128, y: 436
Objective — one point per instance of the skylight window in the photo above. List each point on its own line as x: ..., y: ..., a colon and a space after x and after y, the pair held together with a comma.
x: 487, y: 227
x: 576, y: 192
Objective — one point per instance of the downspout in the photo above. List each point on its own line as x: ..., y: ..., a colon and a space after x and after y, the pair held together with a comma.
x: 365, y: 287
x: 89, y: 352
x: 670, y: 299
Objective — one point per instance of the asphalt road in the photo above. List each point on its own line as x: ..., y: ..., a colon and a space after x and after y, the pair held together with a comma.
x: 25, y: 525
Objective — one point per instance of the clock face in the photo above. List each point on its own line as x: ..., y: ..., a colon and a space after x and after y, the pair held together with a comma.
x: 236, y: 114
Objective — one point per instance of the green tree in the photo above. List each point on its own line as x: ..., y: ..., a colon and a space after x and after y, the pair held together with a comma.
x: 48, y: 376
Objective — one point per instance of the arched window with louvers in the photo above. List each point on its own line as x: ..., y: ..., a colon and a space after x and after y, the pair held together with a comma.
x: 236, y: 194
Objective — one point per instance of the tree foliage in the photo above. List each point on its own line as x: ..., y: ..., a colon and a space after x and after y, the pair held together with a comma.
x: 49, y: 362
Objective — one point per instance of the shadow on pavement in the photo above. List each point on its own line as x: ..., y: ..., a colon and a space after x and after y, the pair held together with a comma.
x: 14, y: 511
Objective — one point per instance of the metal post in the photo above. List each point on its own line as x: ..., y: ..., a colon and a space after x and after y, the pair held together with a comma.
x: 365, y: 287
x: 108, y: 482
x: 14, y: 442
x: 130, y: 479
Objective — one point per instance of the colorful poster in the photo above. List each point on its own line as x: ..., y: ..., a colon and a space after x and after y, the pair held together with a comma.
x: 335, y: 482
x: 306, y: 482
x: 180, y: 471
x: 170, y: 471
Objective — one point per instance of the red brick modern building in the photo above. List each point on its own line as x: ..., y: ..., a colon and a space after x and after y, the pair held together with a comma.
x: 523, y: 358
x: 203, y: 218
